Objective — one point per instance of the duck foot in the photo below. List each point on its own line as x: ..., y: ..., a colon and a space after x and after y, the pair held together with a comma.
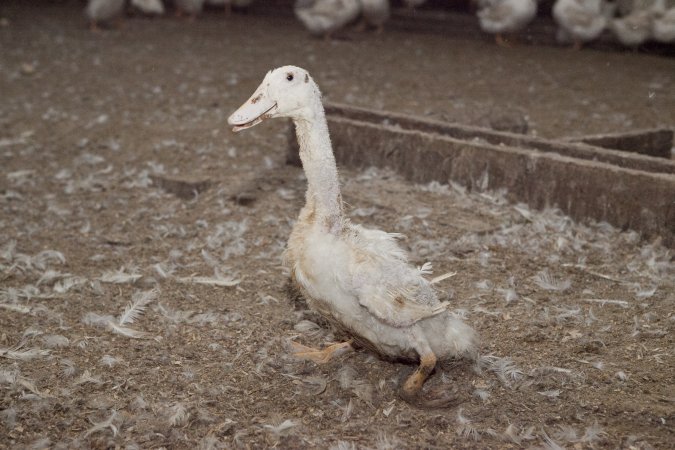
x: 502, y: 41
x: 411, y: 389
x: 321, y: 356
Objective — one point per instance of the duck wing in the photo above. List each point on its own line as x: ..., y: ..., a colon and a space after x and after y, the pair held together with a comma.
x: 386, y: 284
x: 398, y: 306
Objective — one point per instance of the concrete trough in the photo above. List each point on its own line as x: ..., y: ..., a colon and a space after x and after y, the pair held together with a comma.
x: 654, y: 142
x: 628, y: 190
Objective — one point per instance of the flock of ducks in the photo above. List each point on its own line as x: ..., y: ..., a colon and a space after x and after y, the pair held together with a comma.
x: 103, y: 11
x: 633, y: 22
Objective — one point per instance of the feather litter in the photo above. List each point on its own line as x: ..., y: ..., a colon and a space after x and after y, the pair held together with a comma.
x: 23, y: 355
x: 136, y: 308
x: 210, y: 281
x: 179, y: 415
x: 505, y: 369
x: 549, y: 282
x: 120, y: 277
x: 465, y: 428
x: 100, y: 426
x: 131, y: 312
x: 282, y: 428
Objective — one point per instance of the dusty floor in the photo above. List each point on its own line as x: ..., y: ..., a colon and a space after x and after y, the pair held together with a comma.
x: 576, y: 320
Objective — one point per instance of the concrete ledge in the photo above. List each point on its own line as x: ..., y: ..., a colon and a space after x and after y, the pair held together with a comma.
x: 629, y: 191
x: 632, y: 160
x: 657, y: 142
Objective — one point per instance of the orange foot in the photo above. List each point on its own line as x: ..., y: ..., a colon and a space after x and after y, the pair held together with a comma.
x: 502, y: 42
x: 411, y: 390
x: 321, y: 356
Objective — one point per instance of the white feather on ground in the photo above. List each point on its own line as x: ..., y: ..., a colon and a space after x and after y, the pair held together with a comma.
x: 178, y: 415
x: 102, y: 426
x: 136, y: 308
x: 23, y: 355
x: 131, y: 313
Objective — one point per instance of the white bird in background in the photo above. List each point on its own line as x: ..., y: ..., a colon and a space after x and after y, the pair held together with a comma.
x: 324, y: 17
x: 663, y: 28
x: 581, y: 20
x: 102, y: 11
x: 358, y: 279
x: 375, y: 13
x: 635, y: 28
x: 149, y: 7
x: 499, y: 17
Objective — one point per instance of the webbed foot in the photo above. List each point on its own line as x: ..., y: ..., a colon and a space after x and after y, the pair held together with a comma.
x: 320, y: 356
x: 411, y: 389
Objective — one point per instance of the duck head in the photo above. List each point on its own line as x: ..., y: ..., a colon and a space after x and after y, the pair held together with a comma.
x: 288, y: 91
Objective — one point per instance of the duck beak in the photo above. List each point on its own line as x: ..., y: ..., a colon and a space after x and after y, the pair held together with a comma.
x: 256, y: 109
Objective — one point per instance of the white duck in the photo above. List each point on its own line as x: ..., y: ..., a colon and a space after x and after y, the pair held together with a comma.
x: 580, y: 20
x: 375, y: 13
x: 102, y: 11
x: 499, y: 17
x: 635, y: 28
x: 663, y: 28
x: 149, y: 7
x: 359, y: 279
x: 324, y: 17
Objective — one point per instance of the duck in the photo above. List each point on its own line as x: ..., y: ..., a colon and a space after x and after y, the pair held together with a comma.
x: 635, y: 28
x: 375, y: 13
x: 581, y: 20
x: 324, y: 17
x: 359, y: 279
x: 505, y: 16
x: 149, y: 7
x: 190, y: 8
x: 103, y: 11
x: 663, y: 27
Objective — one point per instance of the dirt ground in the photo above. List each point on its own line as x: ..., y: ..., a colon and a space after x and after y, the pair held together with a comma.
x: 576, y: 320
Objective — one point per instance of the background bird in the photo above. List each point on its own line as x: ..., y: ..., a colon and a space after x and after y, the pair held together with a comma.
x: 324, y: 17
x: 500, y: 17
x: 581, y: 21
x: 103, y: 11
x: 375, y: 13
x: 149, y: 7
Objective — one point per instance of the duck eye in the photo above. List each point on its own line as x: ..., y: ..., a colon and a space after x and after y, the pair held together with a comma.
x: 289, y: 77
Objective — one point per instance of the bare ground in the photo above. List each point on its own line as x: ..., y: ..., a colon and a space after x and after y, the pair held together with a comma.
x: 576, y: 320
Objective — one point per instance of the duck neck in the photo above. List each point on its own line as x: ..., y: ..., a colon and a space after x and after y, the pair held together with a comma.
x: 323, y: 187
